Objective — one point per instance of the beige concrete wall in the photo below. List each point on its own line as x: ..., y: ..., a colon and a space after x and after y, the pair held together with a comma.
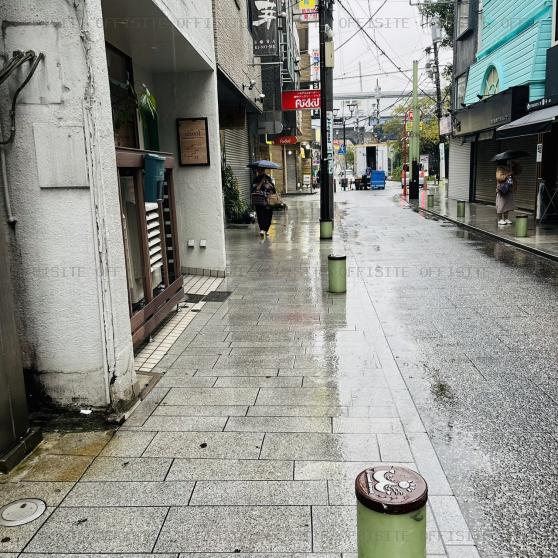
x: 234, y: 44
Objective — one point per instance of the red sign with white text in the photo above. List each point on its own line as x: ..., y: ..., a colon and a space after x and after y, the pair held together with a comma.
x: 286, y: 140
x: 307, y: 99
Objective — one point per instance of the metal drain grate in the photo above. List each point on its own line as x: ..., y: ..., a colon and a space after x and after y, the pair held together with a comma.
x: 21, y: 512
x: 217, y: 296
x: 190, y: 297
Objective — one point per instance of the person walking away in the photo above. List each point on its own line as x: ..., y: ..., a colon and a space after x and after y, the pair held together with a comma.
x: 506, y: 187
x: 261, y: 189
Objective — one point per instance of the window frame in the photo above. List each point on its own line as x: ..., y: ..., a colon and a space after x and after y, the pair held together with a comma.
x: 460, y: 34
x: 457, y: 102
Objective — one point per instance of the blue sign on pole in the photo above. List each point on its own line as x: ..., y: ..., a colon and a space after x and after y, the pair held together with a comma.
x: 343, y: 150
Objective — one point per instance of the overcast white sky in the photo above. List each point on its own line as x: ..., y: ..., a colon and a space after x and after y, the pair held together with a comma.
x: 398, y: 30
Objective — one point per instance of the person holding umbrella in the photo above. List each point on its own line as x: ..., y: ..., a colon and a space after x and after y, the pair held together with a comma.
x: 262, y: 189
x: 506, y: 183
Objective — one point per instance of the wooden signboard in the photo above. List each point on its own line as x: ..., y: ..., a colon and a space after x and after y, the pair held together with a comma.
x: 193, y: 142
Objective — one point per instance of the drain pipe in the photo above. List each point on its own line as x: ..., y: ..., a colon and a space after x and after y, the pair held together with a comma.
x: 7, y: 200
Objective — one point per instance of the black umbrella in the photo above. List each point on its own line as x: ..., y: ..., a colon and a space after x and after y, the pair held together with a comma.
x: 264, y: 165
x: 509, y: 156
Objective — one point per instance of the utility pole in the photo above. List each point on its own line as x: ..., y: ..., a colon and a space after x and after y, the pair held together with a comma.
x: 326, y: 78
x: 405, y: 171
x: 437, y: 40
x: 415, y: 138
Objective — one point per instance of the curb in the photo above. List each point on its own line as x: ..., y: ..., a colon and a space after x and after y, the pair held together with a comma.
x: 506, y: 240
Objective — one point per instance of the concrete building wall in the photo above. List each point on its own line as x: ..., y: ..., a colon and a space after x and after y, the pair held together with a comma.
x: 66, y: 248
x: 198, y: 189
x: 234, y: 44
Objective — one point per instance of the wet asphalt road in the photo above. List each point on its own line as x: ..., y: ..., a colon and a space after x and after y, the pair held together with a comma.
x: 473, y: 326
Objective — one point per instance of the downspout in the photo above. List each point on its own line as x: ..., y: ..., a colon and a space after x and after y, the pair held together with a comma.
x: 7, y: 200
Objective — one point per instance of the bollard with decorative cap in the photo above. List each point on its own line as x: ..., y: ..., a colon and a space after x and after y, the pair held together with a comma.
x: 391, y: 513
x: 460, y: 209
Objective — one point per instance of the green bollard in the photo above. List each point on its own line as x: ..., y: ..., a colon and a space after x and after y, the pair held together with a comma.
x: 460, y: 209
x: 391, y: 513
x: 337, y: 272
x: 521, y: 226
x: 430, y: 200
x: 326, y: 230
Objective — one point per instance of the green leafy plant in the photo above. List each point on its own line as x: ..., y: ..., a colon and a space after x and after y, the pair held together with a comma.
x: 236, y: 209
x: 146, y: 102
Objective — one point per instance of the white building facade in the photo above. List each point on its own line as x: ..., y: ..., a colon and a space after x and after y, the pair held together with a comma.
x: 68, y: 239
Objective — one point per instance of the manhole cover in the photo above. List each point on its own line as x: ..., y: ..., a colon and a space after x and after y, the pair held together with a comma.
x: 21, y: 512
x: 217, y: 296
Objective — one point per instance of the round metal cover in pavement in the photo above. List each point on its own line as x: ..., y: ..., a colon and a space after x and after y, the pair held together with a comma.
x: 21, y: 512
x: 391, y: 490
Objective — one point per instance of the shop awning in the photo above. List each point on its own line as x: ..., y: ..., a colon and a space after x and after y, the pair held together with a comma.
x: 537, y: 122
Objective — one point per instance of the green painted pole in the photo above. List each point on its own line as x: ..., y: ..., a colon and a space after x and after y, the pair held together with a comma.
x: 460, y: 209
x: 521, y: 226
x: 391, y: 513
x: 415, y: 154
x: 337, y: 273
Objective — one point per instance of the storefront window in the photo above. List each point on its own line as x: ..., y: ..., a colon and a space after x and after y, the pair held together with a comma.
x: 491, y: 82
x: 463, y: 11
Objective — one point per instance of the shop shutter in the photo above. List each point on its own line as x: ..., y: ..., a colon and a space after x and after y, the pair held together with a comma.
x: 485, y: 188
x: 237, y: 156
x: 291, y: 171
x: 459, y: 169
x: 526, y: 195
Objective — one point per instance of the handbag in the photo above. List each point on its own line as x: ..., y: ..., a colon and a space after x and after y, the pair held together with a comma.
x: 506, y: 186
x: 274, y: 200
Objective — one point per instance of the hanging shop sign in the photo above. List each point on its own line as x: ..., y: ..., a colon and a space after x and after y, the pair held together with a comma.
x: 193, y: 142
x: 330, y: 119
x: 307, y: 99
x: 265, y: 27
x: 286, y: 140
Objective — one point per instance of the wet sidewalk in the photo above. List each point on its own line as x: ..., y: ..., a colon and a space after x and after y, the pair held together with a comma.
x: 268, y: 405
x: 542, y: 238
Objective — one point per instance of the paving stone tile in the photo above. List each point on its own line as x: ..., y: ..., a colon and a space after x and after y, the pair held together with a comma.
x: 211, y: 396
x: 394, y: 447
x: 99, y: 555
x: 242, y: 372
x: 330, y: 470
x: 79, y: 443
x: 52, y: 493
x: 142, y: 413
x: 128, y: 469
x: 463, y: 552
x: 230, y: 469
x: 184, y: 424
x: 366, y: 425
x: 260, y: 381
x: 15, y: 539
x: 55, y: 468
x: 321, y: 447
x: 278, y: 361
x: 448, y: 515
x: 260, y: 555
x: 334, y: 528
x: 429, y: 465
x: 94, y: 530
x: 187, y: 381
x: 342, y: 492
x: 279, y: 424
x: 296, y: 411
x: 206, y: 445
x: 193, y: 362
x: 132, y: 494
x: 201, y: 411
x: 298, y: 396
x: 233, y: 529
x: 260, y: 493
x: 128, y: 444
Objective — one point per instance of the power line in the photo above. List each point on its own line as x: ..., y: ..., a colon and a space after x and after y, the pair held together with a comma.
x: 357, y: 32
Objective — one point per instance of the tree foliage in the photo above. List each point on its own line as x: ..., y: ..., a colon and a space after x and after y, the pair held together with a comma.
x: 429, y: 135
x: 444, y: 14
x: 236, y: 209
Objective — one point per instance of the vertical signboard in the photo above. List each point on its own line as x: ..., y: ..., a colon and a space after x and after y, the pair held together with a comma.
x: 330, y: 122
x: 264, y: 27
